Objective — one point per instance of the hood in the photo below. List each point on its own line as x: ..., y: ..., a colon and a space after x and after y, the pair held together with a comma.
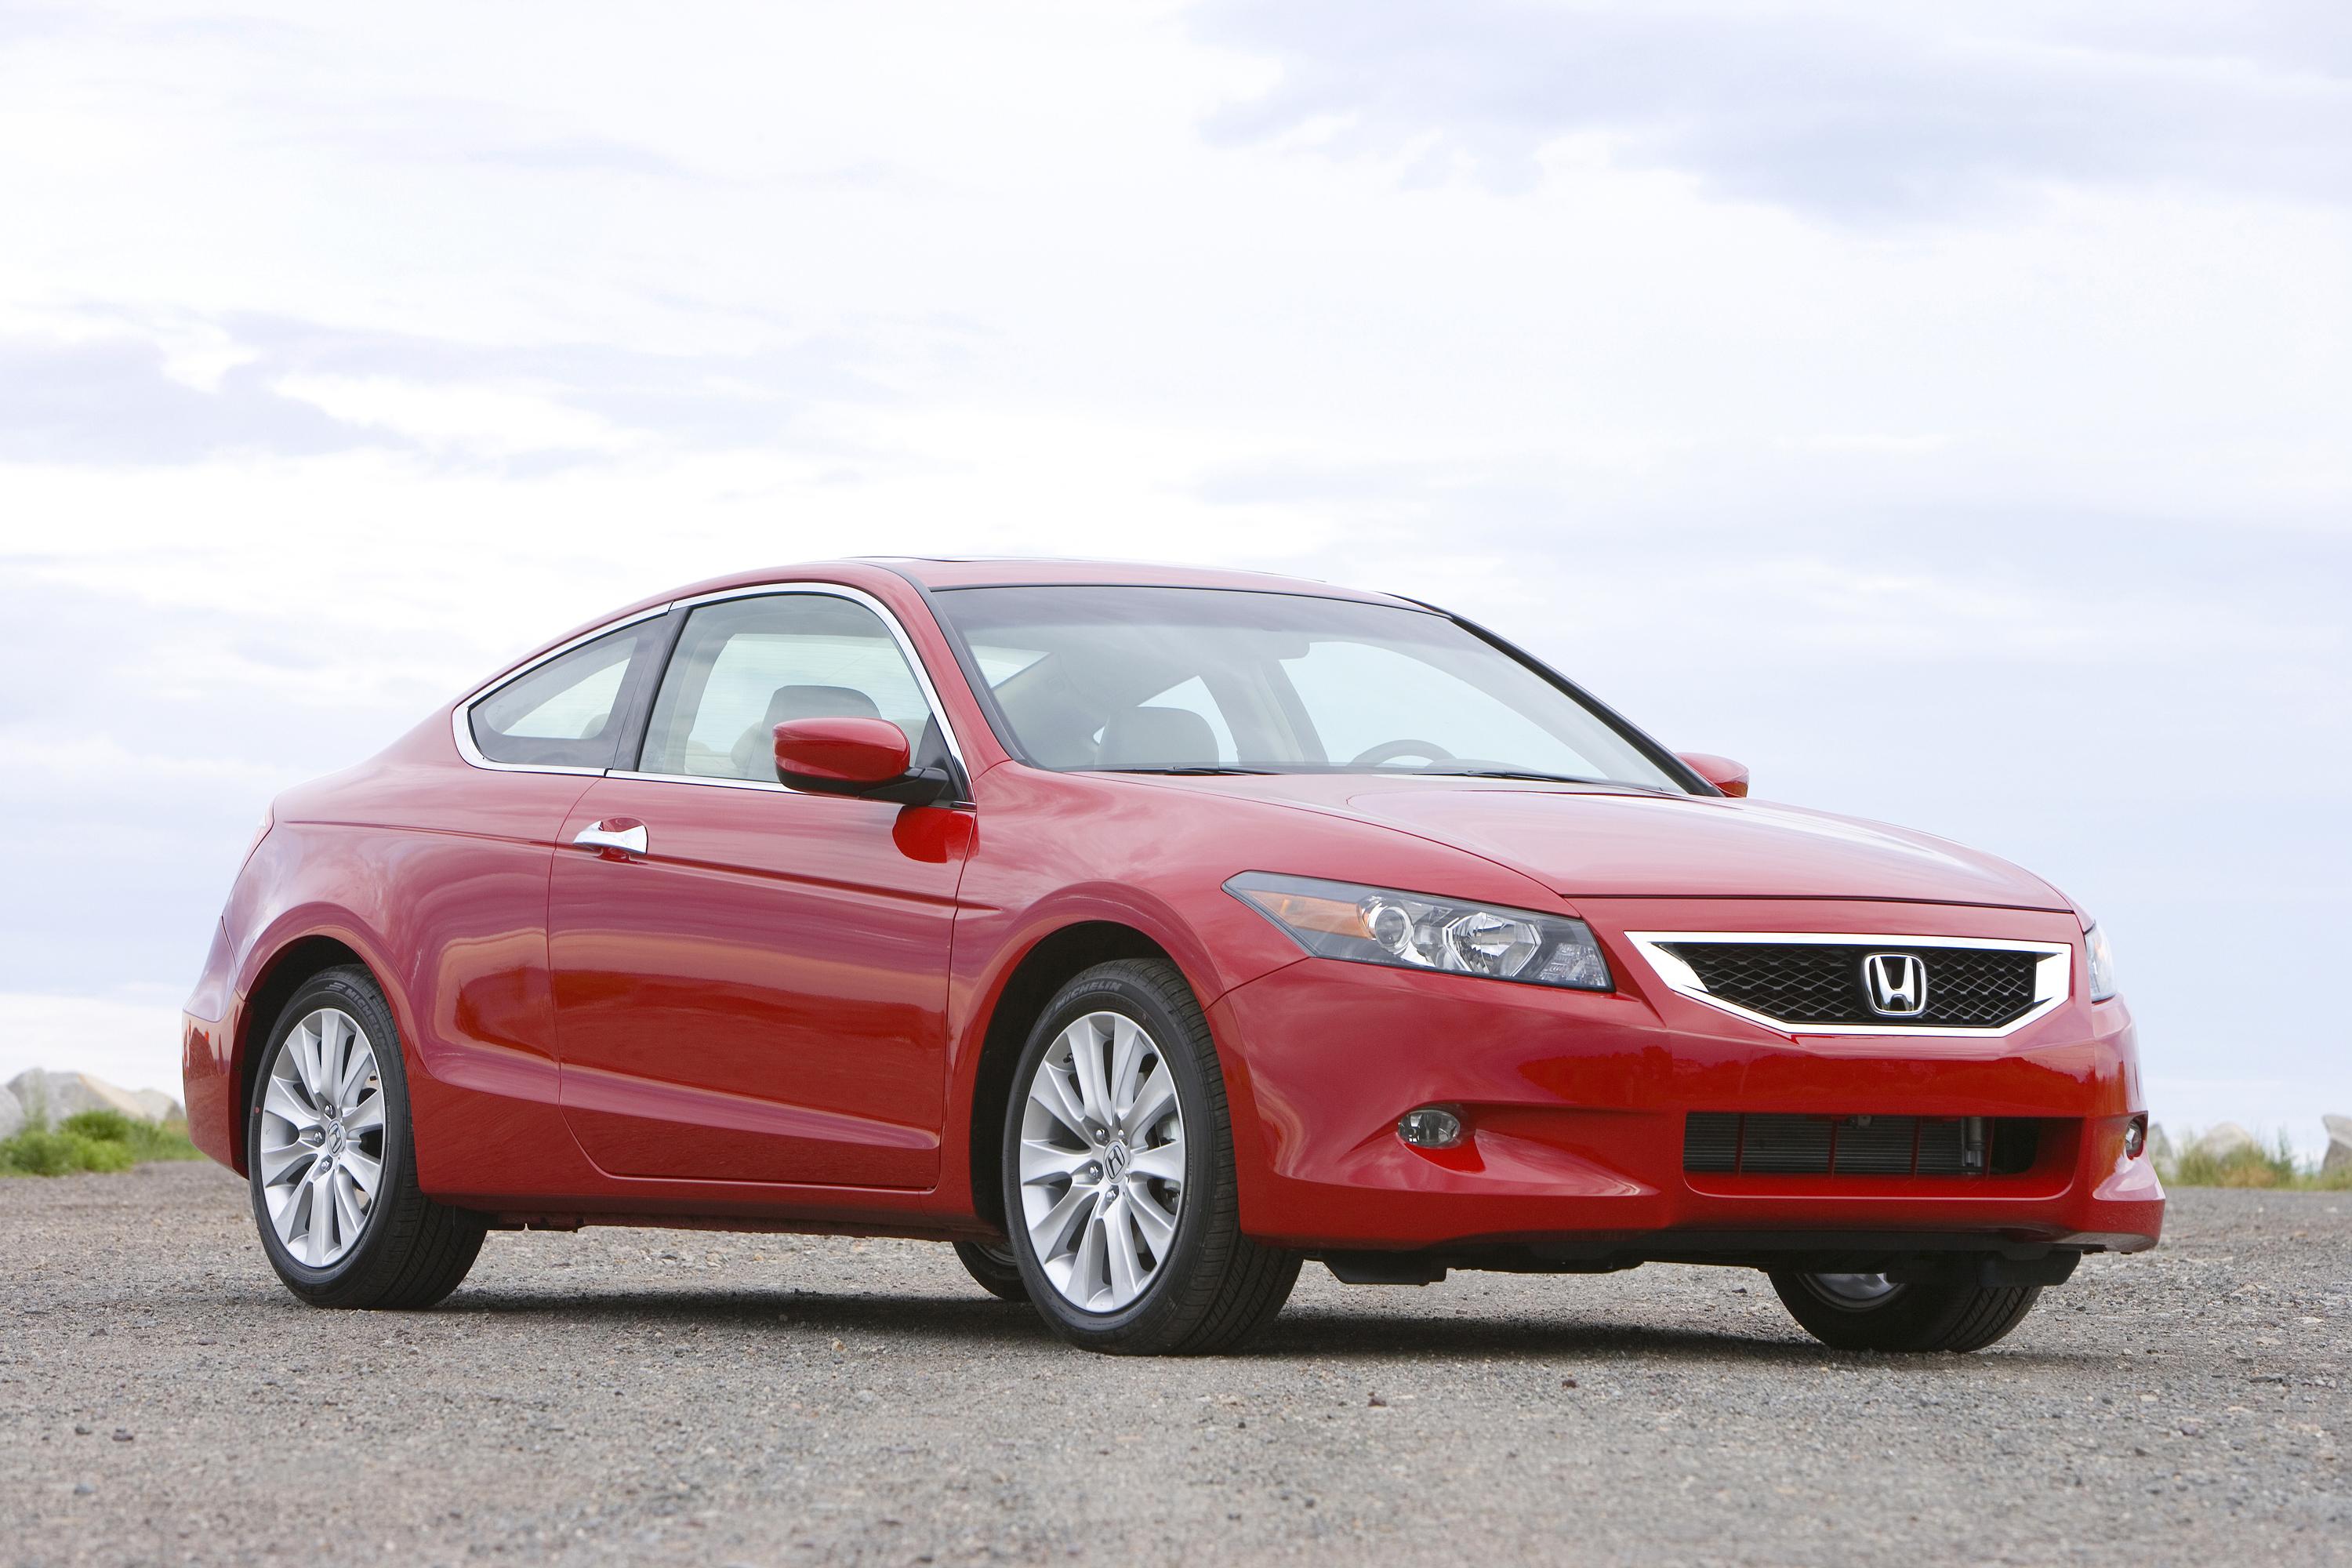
x: 1595, y: 844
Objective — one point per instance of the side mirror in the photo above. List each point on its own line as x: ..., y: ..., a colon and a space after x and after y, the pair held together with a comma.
x: 1725, y: 774
x: 865, y: 757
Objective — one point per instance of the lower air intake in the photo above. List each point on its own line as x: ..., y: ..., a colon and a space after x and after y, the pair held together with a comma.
x: 1732, y: 1142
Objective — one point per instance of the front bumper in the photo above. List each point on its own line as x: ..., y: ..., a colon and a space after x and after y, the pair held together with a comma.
x: 1575, y: 1107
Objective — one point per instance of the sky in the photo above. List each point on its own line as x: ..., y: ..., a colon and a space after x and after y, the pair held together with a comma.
x: 1946, y: 411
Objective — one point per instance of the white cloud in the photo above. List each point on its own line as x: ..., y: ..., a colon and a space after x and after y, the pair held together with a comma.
x: 466, y: 420
x: 1861, y: 112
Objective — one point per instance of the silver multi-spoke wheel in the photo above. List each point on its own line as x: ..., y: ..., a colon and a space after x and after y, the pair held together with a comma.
x: 320, y: 1150
x: 1102, y: 1162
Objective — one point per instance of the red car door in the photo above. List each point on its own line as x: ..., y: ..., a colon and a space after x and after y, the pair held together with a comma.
x: 751, y: 983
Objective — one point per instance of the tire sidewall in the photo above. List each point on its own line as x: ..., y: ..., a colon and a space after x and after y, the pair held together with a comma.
x: 1110, y: 991
x: 350, y: 991
x: 1921, y: 1317
x: 999, y: 1276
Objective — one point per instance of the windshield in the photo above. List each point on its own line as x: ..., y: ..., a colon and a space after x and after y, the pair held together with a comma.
x: 1203, y: 680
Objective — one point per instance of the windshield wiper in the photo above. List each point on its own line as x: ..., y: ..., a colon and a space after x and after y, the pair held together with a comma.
x: 1186, y: 772
x: 1535, y: 777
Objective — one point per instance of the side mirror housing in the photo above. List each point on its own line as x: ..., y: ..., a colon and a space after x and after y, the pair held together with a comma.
x: 864, y: 757
x: 1725, y: 774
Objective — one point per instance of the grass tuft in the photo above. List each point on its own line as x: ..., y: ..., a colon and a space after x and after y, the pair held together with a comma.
x: 2256, y: 1166
x: 93, y: 1140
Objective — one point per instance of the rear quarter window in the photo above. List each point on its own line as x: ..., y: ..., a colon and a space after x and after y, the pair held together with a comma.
x: 567, y: 712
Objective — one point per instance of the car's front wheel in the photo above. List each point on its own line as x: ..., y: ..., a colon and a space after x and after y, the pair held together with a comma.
x: 1872, y: 1312
x: 332, y: 1165
x: 1119, y: 1174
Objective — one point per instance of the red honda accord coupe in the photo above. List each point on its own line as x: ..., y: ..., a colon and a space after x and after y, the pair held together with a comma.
x: 1146, y: 932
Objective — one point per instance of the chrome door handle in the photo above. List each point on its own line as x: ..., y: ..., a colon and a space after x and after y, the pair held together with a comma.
x: 610, y: 835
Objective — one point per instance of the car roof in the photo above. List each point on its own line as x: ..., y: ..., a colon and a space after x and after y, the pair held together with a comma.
x: 942, y: 572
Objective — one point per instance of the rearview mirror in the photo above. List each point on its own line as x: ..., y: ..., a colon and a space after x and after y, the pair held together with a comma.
x: 1725, y: 774
x: 864, y: 757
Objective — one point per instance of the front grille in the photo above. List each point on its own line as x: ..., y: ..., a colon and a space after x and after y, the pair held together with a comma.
x: 1822, y: 983
x: 1730, y: 1142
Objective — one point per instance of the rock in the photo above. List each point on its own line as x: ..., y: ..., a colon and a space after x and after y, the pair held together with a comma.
x: 2160, y: 1148
x: 11, y: 1115
x: 159, y: 1106
x: 51, y: 1096
x: 2339, y: 1144
x: 2221, y: 1142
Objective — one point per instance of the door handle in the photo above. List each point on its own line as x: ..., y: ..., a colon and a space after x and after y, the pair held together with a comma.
x: 618, y: 835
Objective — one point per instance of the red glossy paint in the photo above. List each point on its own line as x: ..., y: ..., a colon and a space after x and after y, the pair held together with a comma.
x: 1725, y: 774
x: 762, y: 998
x: 814, y: 753
x: 785, y: 1012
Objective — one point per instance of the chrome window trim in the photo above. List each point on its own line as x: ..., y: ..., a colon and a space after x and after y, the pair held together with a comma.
x: 2054, y: 976
x: 460, y: 716
x: 779, y: 787
x: 907, y: 650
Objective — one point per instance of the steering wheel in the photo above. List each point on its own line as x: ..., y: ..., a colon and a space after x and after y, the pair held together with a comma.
x: 1388, y: 750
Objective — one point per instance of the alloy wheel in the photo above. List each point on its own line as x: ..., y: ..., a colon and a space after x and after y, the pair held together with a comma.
x: 1102, y: 1162
x: 320, y: 1150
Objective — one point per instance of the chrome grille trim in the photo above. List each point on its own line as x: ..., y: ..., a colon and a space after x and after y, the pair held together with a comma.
x: 2054, y: 976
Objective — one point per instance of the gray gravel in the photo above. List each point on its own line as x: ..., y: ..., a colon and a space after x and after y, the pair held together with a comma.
x: 672, y: 1397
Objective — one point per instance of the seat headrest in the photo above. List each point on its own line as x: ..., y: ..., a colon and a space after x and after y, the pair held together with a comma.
x: 791, y: 702
x: 1157, y: 738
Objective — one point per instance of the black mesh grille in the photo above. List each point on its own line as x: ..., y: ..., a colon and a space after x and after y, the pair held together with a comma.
x: 1785, y: 1146
x: 1711, y: 1141
x: 1728, y: 1142
x: 1822, y: 983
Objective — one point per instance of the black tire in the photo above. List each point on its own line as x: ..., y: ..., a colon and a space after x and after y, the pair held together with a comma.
x: 411, y: 1250
x: 993, y: 1268
x: 1217, y: 1286
x: 1918, y: 1317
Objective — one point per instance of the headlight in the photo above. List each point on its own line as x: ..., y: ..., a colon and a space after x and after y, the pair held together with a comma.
x: 1409, y: 930
x: 2103, y: 964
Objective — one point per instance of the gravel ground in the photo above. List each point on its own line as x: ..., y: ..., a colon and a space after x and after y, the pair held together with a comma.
x: 672, y: 1397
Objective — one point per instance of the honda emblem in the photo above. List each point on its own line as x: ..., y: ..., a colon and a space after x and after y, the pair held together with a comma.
x: 1895, y: 984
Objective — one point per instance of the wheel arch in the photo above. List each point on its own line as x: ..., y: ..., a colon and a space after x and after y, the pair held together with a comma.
x: 290, y: 965
x: 1049, y: 964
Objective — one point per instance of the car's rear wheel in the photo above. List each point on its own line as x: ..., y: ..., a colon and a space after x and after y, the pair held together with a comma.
x: 1872, y: 1312
x: 993, y: 1268
x: 1119, y: 1174
x: 332, y: 1165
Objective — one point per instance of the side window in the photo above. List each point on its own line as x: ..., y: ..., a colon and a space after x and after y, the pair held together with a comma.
x: 745, y: 666
x: 565, y: 713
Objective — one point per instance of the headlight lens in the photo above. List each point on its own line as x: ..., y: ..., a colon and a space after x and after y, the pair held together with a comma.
x: 1411, y: 931
x: 2103, y: 964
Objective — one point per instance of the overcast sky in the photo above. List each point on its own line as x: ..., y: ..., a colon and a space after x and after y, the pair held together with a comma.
x: 1947, y: 410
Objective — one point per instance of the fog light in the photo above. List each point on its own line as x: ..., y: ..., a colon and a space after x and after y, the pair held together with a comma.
x: 1430, y: 1128
x: 2134, y: 1137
